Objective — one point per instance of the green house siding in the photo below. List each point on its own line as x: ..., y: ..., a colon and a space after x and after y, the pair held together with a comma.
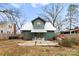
x: 27, y: 35
x: 38, y: 24
x: 49, y: 35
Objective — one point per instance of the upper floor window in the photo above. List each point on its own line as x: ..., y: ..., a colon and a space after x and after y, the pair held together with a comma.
x: 10, y: 26
x: 8, y: 32
x: 38, y: 23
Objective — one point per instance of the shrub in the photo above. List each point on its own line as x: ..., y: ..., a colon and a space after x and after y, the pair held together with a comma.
x: 75, y: 41
x: 69, y: 42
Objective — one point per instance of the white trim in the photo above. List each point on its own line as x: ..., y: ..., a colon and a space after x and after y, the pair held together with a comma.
x: 38, y: 30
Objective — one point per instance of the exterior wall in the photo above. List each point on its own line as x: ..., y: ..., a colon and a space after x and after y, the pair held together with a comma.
x: 7, y: 28
x: 27, y: 35
x: 49, y: 35
x: 38, y: 24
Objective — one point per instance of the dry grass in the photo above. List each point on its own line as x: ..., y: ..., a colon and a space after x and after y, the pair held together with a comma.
x: 76, y: 36
x: 10, y: 48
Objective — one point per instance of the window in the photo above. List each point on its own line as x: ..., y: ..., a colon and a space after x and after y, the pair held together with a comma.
x: 10, y: 26
x: 1, y: 31
x: 8, y: 32
x: 38, y: 23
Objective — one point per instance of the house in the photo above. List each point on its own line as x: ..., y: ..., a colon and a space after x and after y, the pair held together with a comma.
x: 72, y: 31
x: 38, y: 29
x: 7, y: 28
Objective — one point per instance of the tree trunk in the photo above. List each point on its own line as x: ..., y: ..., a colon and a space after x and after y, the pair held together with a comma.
x: 70, y: 26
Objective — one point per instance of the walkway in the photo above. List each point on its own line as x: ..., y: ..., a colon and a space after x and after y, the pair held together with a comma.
x: 39, y: 43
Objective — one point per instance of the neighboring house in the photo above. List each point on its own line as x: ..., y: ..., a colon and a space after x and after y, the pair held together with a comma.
x: 7, y: 28
x: 72, y: 31
x: 38, y: 29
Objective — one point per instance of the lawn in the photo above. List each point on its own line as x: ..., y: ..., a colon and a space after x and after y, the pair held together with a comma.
x: 10, y: 48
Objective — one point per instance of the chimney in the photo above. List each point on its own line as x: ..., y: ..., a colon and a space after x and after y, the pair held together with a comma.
x: 14, y: 27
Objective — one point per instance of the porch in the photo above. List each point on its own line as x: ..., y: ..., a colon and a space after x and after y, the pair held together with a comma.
x: 38, y: 37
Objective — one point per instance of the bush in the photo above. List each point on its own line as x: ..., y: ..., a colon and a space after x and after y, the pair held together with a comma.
x: 69, y: 42
x: 75, y: 41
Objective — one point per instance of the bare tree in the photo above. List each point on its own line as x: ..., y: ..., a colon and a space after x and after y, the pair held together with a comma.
x: 59, y: 24
x: 14, y: 16
x: 51, y: 13
x: 71, y: 16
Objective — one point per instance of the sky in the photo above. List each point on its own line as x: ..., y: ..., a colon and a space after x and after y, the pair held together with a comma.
x: 30, y: 10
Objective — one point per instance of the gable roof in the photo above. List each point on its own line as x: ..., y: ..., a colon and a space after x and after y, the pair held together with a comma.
x: 49, y: 26
x: 38, y: 18
x: 29, y: 26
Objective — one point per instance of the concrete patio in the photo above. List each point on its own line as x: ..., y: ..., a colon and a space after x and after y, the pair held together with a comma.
x: 39, y: 43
